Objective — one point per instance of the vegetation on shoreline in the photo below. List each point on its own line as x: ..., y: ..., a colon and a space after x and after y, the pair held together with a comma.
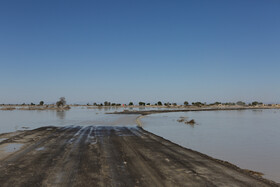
x: 185, y: 104
x: 61, y: 105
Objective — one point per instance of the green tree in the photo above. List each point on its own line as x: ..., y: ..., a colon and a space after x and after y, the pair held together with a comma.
x: 106, y: 103
x: 159, y: 103
x: 197, y: 104
x: 41, y: 103
x: 240, y: 103
x: 256, y: 103
x: 61, y: 102
x: 130, y: 103
x: 186, y: 103
x: 141, y: 103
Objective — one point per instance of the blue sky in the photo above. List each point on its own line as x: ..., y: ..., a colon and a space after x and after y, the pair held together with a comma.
x: 121, y: 51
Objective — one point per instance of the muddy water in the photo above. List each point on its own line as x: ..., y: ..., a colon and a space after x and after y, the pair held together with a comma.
x: 30, y: 119
x: 249, y: 139
x: 13, y: 120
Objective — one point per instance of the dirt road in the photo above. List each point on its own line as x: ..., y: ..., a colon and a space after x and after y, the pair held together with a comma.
x: 109, y: 156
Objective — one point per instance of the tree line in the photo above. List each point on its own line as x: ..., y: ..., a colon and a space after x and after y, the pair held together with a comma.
x: 62, y: 102
x: 185, y: 103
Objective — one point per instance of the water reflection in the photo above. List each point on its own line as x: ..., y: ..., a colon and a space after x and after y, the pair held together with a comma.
x: 61, y: 114
x: 257, y: 111
x: 107, y: 108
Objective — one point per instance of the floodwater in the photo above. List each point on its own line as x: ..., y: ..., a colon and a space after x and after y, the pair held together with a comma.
x: 248, y: 138
x: 30, y: 119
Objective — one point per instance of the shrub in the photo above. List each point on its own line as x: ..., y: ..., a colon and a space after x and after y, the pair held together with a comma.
x: 240, y: 103
x: 61, y: 102
x: 141, y: 103
x: 106, y: 103
x: 197, y: 104
x: 256, y: 103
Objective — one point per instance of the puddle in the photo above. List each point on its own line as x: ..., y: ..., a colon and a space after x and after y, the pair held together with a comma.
x: 12, y: 147
x: 2, y: 139
x: 40, y: 149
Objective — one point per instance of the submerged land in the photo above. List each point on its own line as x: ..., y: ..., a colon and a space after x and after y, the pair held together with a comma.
x: 190, y: 109
x: 113, y: 156
x: 110, y: 156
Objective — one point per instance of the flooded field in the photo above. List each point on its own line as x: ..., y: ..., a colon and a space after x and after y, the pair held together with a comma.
x: 12, y: 120
x: 247, y: 138
x: 29, y: 119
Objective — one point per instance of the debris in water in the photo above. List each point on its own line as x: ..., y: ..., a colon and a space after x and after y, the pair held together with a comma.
x: 191, y: 122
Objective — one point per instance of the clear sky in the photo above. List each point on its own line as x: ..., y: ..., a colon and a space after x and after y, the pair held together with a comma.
x: 141, y: 50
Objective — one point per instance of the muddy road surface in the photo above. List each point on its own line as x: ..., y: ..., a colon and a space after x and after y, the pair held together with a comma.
x: 109, y: 156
